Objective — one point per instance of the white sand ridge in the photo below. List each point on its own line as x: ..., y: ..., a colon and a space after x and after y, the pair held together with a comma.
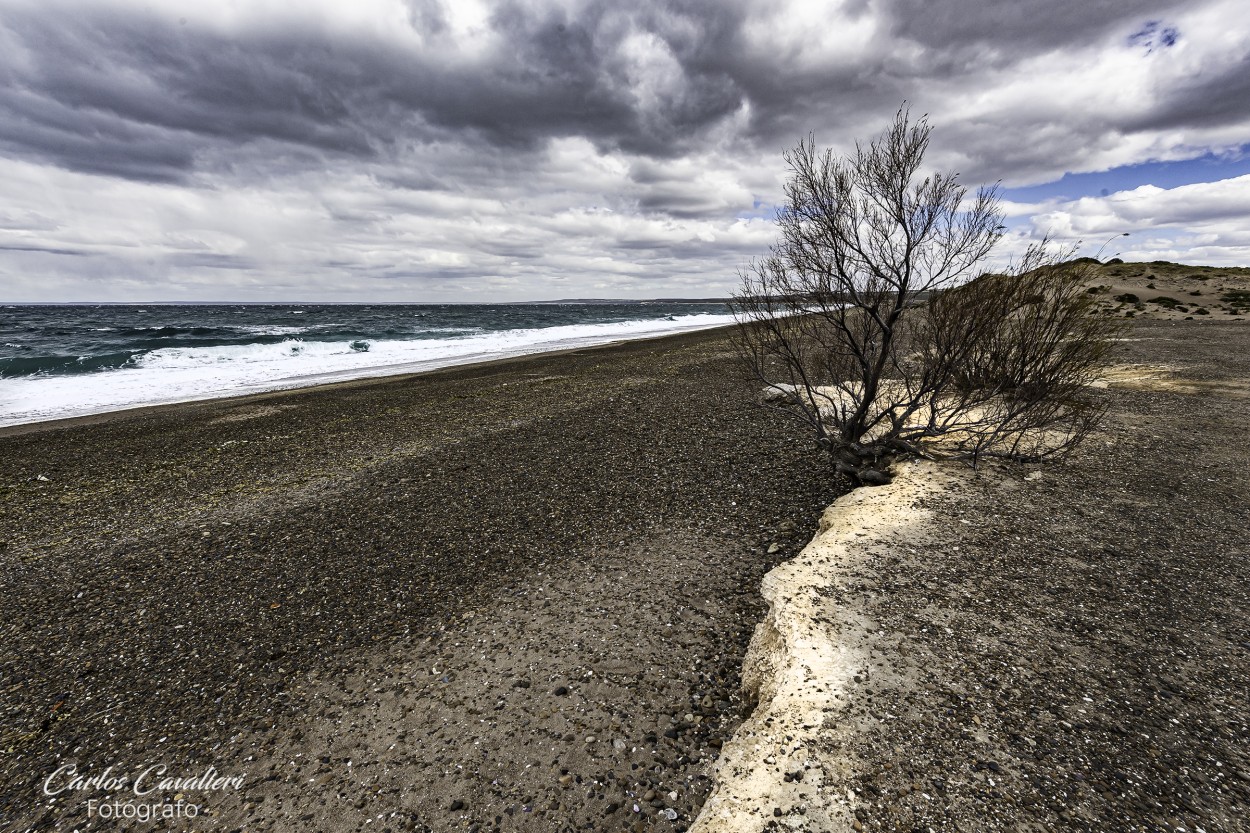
x: 804, y: 660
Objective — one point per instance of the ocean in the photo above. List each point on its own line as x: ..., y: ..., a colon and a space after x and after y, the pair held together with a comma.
x: 65, y: 361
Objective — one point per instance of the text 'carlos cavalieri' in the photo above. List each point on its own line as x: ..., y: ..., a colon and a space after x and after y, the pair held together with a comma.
x: 149, y: 782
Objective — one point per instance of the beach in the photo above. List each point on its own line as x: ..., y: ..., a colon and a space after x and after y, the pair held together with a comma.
x: 427, y: 592
x: 1055, y: 646
x: 519, y: 596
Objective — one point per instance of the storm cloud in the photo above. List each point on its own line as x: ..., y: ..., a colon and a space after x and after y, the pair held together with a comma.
x: 431, y: 151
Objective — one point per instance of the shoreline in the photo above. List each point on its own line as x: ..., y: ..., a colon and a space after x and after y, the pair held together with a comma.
x: 295, y: 390
x: 404, y: 574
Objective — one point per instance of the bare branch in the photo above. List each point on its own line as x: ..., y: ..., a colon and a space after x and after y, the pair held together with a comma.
x: 864, y: 319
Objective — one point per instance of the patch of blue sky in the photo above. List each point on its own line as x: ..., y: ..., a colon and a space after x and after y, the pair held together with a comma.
x: 1208, y: 168
x: 760, y: 210
x: 1154, y: 35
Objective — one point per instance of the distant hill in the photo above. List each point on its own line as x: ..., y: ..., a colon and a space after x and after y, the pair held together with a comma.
x: 1163, y: 290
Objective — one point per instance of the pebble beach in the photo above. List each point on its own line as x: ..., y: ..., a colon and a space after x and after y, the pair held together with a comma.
x: 514, y: 596
x: 519, y: 596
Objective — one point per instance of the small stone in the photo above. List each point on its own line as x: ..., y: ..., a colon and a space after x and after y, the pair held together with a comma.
x: 648, y: 795
x: 618, y: 745
x: 774, y: 548
x: 560, y: 691
x: 457, y: 805
x: 777, y: 813
x: 590, y: 738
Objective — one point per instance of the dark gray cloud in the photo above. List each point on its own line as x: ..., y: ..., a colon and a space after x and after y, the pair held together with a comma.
x: 1016, y: 30
x: 1207, y: 99
x: 209, y: 260
x: 135, y: 93
x: 140, y: 95
x: 51, y: 250
x: 392, y: 141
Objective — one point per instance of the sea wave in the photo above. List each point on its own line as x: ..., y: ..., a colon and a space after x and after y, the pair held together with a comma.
x: 43, y: 366
x: 188, y: 372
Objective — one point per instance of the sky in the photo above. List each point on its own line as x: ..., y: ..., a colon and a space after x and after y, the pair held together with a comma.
x: 462, y: 151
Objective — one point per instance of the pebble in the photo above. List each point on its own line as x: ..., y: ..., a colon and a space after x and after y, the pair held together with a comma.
x: 387, y: 561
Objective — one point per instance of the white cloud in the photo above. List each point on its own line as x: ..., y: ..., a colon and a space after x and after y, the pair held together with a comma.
x: 1200, y: 223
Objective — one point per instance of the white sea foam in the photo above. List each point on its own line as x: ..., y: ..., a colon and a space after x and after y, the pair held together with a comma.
x: 267, y: 329
x: 181, y: 374
x: 450, y: 330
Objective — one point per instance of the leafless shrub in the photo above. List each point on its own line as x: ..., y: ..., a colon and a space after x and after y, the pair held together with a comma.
x: 863, y: 322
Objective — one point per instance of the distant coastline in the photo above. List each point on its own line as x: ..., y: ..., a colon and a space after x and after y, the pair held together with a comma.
x: 299, y: 302
x: 643, y: 302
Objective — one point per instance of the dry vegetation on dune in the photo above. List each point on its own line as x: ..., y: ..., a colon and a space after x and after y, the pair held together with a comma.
x: 1163, y: 290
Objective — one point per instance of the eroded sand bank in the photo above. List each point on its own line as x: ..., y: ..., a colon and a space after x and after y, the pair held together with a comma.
x: 1031, y: 647
x: 803, y: 660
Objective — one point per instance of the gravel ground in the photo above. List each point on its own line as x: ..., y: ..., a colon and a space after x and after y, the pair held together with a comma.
x: 508, y: 597
x: 517, y: 597
x: 1070, y: 649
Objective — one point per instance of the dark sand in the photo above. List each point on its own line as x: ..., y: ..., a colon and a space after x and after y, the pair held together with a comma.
x: 514, y: 596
